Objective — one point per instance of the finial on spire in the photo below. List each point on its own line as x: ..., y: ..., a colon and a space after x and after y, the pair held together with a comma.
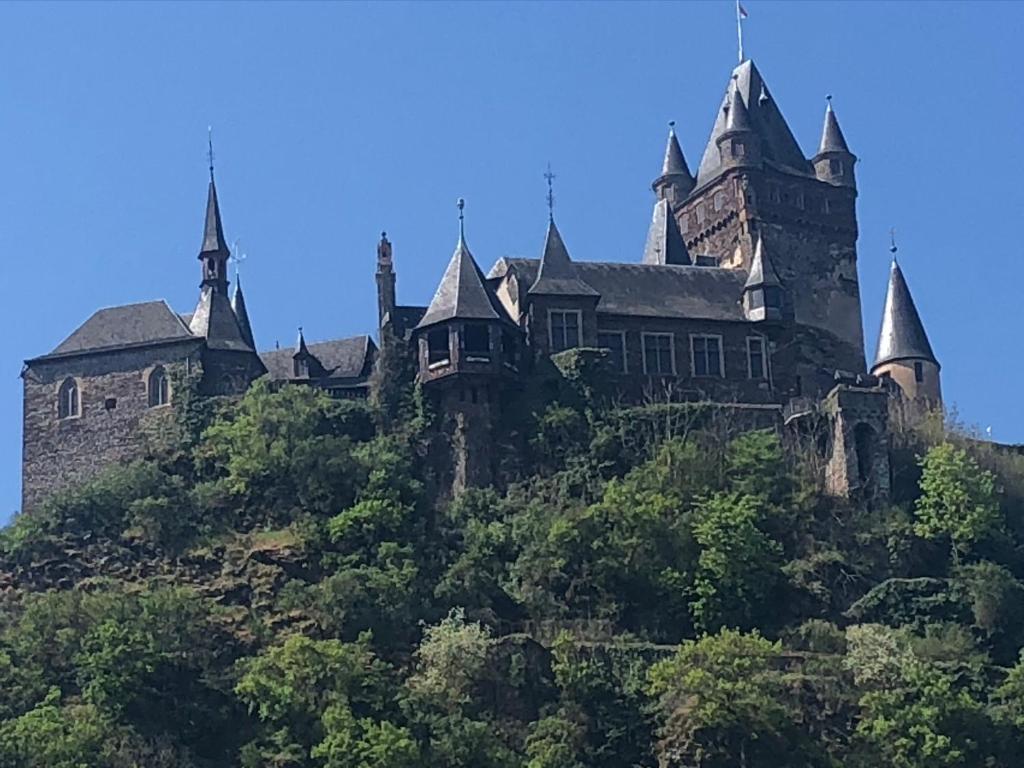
x: 551, y: 193
x: 209, y: 150
x: 461, y: 203
x: 892, y: 243
x: 671, y: 126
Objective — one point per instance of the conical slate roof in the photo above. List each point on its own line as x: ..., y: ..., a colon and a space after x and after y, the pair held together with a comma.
x: 213, y: 230
x: 241, y: 313
x: 301, y: 350
x: 762, y: 272
x: 215, y: 320
x: 461, y: 293
x: 737, y: 117
x: 675, y: 163
x: 778, y: 147
x: 902, y: 336
x: 832, y: 139
x: 665, y: 243
x: 557, y: 275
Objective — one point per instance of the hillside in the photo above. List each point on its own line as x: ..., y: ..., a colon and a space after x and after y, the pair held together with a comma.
x: 286, y: 583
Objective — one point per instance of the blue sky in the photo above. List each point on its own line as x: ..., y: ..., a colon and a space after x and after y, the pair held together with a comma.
x: 335, y: 121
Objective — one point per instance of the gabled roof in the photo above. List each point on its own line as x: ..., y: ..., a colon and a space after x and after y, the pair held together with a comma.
x: 556, y: 274
x: 127, y: 325
x: 902, y: 336
x: 832, y: 139
x: 665, y: 243
x: 645, y: 290
x: 762, y: 272
x: 213, y: 230
x: 215, y: 321
x: 461, y: 293
x: 778, y: 147
x: 350, y: 358
x: 241, y: 313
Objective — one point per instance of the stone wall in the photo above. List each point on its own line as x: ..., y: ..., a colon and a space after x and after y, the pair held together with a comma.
x: 858, y: 461
x: 115, y: 423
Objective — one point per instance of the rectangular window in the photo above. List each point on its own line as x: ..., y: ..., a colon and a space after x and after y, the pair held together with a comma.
x: 476, y: 340
x: 615, y: 343
x: 438, y: 352
x: 707, y: 355
x: 757, y: 361
x: 659, y: 359
x: 919, y: 372
x: 509, y: 349
x: 564, y: 326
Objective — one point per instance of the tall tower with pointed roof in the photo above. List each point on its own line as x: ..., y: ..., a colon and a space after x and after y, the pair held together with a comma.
x: 754, y: 183
x: 904, y: 353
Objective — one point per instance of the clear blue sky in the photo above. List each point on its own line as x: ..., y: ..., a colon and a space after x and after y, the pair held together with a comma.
x: 335, y: 121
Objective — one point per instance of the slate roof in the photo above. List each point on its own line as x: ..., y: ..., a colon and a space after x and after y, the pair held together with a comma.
x: 778, y: 147
x: 644, y: 290
x: 461, y: 293
x: 213, y: 229
x: 556, y: 274
x: 762, y: 272
x: 349, y: 358
x: 215, y: 321
x: 128, y: 325
x: 665, y: 243
x: 832, y: 139
x: 674, y: 163
x: 902, y: 336
x: 241, y: 313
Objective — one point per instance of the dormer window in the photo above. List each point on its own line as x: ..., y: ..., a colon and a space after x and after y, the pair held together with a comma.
x: 564, y: 329
x: 68, y: 402
x: 300, y: 367
x: 476, y: 341
x: 438, y: 351
x: 158, y: 388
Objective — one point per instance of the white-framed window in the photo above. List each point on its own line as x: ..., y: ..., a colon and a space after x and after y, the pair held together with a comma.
x: 615, y: 343
x: 69, y: 403
x: 158, y: 387
x: 706, y: 355
x: 659, y: 354
x: 564, y: 326
x: 757, y: 358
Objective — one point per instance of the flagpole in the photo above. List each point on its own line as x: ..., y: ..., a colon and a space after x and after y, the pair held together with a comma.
x: 739, y: 29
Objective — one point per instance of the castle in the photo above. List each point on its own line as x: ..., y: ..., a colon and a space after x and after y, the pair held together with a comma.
x: 746, y: 293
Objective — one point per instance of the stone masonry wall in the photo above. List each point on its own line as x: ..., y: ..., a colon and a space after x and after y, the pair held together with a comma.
x: 115, y: 423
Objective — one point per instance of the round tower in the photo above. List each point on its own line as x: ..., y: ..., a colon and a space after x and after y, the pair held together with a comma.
x: 834, y: 163
x: 675, y: 181
x: 738, y: 145
x: 904, y: 352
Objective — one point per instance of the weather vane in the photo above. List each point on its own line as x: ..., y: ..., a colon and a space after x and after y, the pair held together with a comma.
x: 461, y: 203
x: 209, y: 148
x: 237, y: 257
x: 551, y: 192
x: 892, y: 243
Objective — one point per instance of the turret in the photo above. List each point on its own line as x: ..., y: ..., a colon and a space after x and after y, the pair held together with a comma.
x: 675, y: 181
x: 385, y: 280
x: 305, y: 365
x: 739, y: 145
x: 762, y: 293
x: 241, y: 313
x: 214, y: 253
x: 904, y: 352
x: 834, y: 163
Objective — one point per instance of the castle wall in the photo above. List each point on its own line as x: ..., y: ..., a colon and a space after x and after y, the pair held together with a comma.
x: 115, y: 423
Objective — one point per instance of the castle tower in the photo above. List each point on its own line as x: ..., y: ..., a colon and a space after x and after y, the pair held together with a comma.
x: 834, y: 163
x: 675, y: 181
x: 904, y: 352
x: 386, y: 300
x: 755, y: 183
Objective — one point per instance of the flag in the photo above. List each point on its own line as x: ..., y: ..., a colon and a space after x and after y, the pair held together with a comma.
x: 741, y: 11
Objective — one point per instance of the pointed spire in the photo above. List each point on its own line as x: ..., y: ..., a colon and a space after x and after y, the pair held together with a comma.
x: 462, y: 292
x: 556, y: 274
x: 832, y: 139
x: 665, y: 243
x: 675, y: 181
x: 902, y: 336
x: 301, y: 350
x: 213, y: 230
x: 762, y: 272
x: 241, y: 313
x: 737, y: 117
x: 674, y: 162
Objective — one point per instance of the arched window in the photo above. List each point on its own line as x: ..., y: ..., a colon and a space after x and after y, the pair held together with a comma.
x: 159, y: 387
x: 68, y: 400
x: 864, y: 444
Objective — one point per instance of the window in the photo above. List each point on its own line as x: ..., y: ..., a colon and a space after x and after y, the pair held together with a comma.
x: 700, y: 214
x: 835, y: 167
x: 476, y: 340
x: 738, y: 150
x: 68, y: 404
x: 300, y: 366
x: 158, y: 388
x: 919, y: 372
x: 757, y: 360
x: 773, y: 297
x: 615, y: 343
x: 438, y: 352
x: 509, y: 349
x: 659, y: 359
x: 719, y: 200
x: 110, y: 403
x: 565, y: 329
x: 707, y: 355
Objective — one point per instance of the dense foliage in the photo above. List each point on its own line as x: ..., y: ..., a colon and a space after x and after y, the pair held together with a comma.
x: 290, y: 585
